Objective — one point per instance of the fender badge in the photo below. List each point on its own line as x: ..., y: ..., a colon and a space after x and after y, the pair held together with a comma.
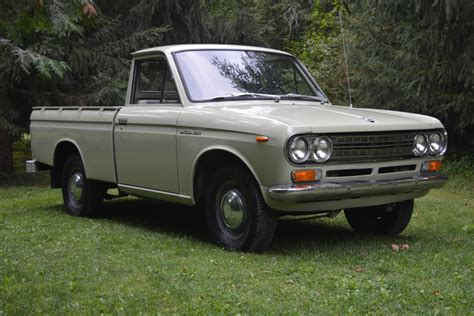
x: 189, y: 132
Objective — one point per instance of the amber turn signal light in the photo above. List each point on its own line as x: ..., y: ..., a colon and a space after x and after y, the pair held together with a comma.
x: 431, y: 166
x: 261, y: 139
x: 307, y: 175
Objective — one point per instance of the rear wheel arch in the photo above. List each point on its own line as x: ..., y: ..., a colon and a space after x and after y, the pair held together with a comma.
x: 63, y: 150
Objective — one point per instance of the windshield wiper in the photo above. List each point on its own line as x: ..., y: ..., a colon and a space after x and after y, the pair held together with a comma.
x: 275, y: 97
x: 234, y: 96
x: 302, y: 97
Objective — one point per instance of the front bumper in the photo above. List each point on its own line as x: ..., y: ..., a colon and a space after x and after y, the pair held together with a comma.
x: 302, y: 193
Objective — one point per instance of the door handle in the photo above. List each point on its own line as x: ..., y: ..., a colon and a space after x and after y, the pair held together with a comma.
x: 122, y: 121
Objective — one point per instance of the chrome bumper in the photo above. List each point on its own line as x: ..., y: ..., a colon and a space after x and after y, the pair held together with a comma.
x: 346, y: 190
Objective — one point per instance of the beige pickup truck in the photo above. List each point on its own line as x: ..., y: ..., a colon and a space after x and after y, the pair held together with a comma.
x: 247, y: 134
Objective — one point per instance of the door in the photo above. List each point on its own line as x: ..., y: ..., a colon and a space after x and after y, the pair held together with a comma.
x: 145, y: 130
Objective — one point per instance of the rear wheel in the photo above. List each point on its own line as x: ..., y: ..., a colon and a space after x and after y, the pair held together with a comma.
x: 390, y: 219
x: 82, y: 197
x: 236, y: 215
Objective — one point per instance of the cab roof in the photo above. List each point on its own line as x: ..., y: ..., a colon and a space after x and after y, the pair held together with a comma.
x: 186, y: 47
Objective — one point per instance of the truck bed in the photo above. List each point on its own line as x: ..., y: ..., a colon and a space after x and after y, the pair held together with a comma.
x: 90, y: 128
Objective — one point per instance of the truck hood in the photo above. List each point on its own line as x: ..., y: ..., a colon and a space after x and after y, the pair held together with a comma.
x: 330, y: 118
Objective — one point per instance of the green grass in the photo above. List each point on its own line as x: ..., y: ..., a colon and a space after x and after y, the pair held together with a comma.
x: 151, y: 257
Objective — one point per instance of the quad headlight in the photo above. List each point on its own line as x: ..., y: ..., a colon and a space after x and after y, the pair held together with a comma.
x: 420, y: 145
x: 302, y: 149
x: 298, y: 150
x: 318, y: 149
x: 322, y: 149
x: 432, y: 143
x: 437, y: 144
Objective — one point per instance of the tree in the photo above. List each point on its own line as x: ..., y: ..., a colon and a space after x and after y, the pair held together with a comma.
x: 73, y: 53
x: 77, y: 53
x: 319, y: 47
x: 417, y: 56
x: 20, y: 23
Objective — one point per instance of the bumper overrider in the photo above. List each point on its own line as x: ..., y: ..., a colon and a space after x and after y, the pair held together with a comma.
x: 301, y: 193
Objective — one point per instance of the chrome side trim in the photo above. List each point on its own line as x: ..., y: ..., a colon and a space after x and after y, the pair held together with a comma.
x: 155, y: 194
x: 343, y: 190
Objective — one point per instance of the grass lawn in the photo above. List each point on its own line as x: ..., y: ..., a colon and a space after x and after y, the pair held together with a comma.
x: 149, y: 257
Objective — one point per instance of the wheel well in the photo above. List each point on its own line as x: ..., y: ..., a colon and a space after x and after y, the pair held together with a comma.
x: 62, y: 152
x: 208, y: 163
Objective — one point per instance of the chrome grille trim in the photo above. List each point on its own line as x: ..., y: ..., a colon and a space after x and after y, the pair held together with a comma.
x: 360, y: 147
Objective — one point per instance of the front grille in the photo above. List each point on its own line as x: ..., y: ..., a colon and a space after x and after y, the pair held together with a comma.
x: 372, y: 146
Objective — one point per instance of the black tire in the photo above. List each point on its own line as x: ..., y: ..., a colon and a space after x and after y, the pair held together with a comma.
x: 82, y: 197
x: 390, y: 219
x: 250, y: 224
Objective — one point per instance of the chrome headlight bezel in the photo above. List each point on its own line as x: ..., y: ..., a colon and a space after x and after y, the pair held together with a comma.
x: 311, y: 156
x: 429, y: 140
x: 420, y: 139
x: 292, y: 148
x: 328, y: 150
x: 441, y: 143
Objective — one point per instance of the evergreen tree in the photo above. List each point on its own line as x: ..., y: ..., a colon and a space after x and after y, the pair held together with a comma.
x: 319, y: 47
x: 75, y: 53
x: 417, y: 56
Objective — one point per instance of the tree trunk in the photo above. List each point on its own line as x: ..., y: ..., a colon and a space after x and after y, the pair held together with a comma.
x: 6, y: 152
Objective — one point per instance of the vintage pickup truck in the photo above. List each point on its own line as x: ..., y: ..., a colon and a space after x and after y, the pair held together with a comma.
x: 247, y: 134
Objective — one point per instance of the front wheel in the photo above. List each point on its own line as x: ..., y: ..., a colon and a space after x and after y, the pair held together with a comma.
x: 390, y: 219
x: 82, y: 197
x: 236, y: 215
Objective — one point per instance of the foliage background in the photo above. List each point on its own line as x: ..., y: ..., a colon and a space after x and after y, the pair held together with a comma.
x: 413, y: 56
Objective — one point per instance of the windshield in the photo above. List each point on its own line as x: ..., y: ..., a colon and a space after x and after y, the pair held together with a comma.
x: 226, y: 74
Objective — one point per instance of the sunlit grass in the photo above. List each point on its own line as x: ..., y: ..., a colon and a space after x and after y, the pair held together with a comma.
x: 152, y: 257
x: 144, y: 256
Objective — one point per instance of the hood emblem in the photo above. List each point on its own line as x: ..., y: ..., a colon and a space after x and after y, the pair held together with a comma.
x: 367, y: 119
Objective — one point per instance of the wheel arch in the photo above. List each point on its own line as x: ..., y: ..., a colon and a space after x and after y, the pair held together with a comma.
x: 209, y: 159
x: 62, y: 150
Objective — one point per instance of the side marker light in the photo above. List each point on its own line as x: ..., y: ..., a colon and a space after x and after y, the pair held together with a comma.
x: 261, y: 139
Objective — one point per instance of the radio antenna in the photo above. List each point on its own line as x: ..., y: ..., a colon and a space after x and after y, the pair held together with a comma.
x: 345, y: 60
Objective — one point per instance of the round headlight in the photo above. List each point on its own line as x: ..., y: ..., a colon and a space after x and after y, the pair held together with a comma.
x: 298, y: 150
x: 420, y: 145
x: 322, y: 149
x: 436, y: 144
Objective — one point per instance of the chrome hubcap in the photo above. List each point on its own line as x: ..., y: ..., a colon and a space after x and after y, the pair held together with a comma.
x: 232, y: 209
x: 76, y: 183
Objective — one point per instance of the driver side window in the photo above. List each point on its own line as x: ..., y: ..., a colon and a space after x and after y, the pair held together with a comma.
x: 154, y: 83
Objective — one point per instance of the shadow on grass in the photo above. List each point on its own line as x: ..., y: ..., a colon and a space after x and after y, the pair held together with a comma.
x: 157, y: 216
x: 22, y: 179
x: 154, y: 216
x: 291, y: 236
x: 327, y: 235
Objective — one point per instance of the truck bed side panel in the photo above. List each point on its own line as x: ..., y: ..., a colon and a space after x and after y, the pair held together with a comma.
x: 90, y: 129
